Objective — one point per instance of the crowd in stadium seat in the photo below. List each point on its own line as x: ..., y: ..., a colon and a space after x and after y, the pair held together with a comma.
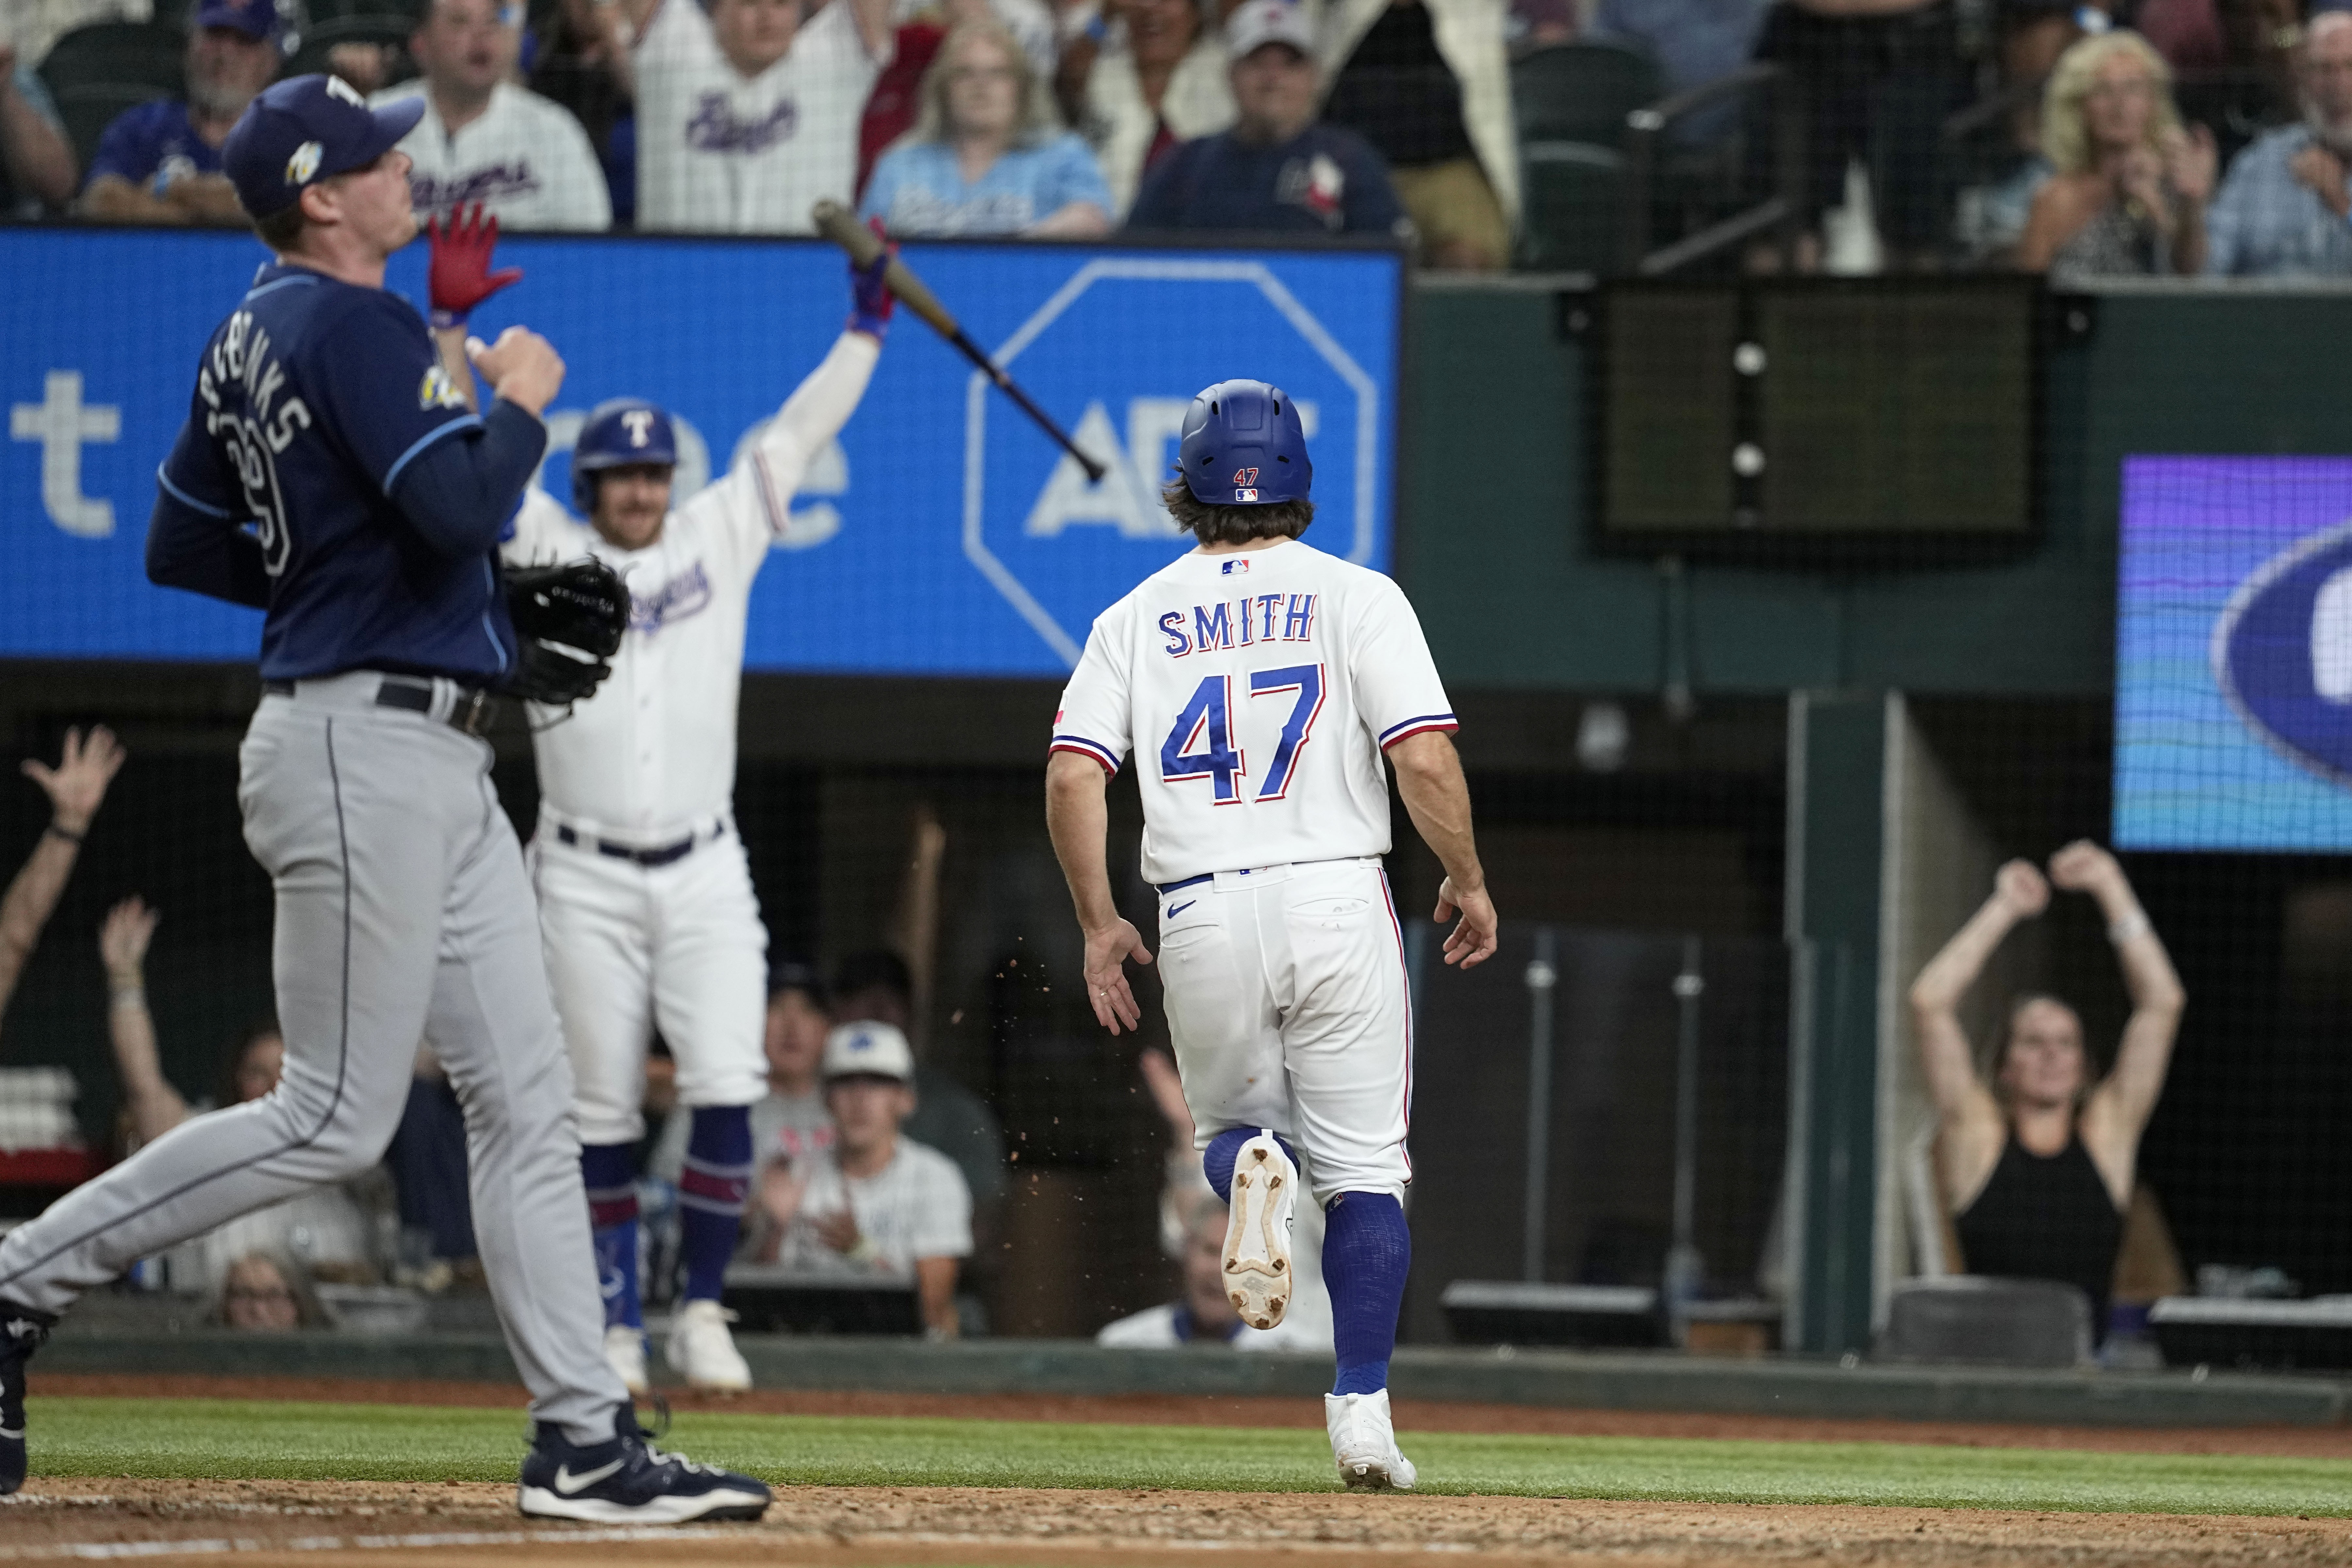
x: 2127, y: 137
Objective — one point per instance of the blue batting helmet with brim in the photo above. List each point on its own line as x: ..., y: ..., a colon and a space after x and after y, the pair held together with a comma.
x: 622, y: 432
x: 1243, y: 446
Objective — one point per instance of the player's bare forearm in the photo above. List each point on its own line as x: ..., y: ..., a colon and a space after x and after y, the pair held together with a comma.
x: 1077, y: 818
x: 1437, y: 797
x: 934, y: 1280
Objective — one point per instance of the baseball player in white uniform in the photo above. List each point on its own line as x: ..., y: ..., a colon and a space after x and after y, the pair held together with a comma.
x: 1257, y: 681
x: 646, y: 910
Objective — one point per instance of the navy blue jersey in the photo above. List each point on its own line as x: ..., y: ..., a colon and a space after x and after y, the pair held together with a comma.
x: 312, y: 401
x: 1324, y: 180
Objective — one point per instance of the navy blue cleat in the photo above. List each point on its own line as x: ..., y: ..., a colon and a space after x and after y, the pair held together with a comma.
x: 22, y: 1329
x: 627, y: 1480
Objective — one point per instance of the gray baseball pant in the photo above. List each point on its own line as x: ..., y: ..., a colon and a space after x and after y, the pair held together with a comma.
x: 403, y: 914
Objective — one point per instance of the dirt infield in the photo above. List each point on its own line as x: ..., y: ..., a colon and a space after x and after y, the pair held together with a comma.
x: 1202, y: 1410
x: 453, y: 1526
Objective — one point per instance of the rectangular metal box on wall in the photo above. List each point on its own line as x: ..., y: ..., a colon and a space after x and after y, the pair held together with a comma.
x: 1808, y: 420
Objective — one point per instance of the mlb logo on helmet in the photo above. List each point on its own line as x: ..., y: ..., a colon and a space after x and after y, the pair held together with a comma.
x: 1247, y: 496
x: 2281, y: 652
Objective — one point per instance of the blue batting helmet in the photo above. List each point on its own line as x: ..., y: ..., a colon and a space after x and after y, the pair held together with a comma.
x: 1243, y: 446
x: 622, y: 431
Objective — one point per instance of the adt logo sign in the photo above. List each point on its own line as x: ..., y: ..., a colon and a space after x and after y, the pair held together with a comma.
x: 2283, y: 652
x: 1060, y: 548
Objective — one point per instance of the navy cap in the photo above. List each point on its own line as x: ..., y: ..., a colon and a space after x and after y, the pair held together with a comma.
x: 303, y: 129
x: 259, y: 20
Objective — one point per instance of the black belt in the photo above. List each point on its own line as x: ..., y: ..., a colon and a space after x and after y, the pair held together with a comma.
x: 1188, y: 882
x: 470, y: 715
x: 665, y: 854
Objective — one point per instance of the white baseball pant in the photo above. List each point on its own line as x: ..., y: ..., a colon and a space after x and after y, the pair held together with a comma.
x: 630, y: 948
x: 1287, y: 1007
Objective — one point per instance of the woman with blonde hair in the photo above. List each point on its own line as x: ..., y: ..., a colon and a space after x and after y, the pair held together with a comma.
x: 987, y: 155
x: 2131, y: 184
x: 2037, y: 1158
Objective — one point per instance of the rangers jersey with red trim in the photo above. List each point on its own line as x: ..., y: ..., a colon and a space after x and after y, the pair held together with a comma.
x: 650, y: 758
x: 1256, y: 691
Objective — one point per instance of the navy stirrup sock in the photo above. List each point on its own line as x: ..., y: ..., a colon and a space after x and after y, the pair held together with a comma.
x: 711, y: 1194
x: 1217, y: 1158
x: 609, y: 1171
x: 1367, y: 1251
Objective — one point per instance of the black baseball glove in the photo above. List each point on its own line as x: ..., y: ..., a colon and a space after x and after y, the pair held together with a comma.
x: 569, y: 619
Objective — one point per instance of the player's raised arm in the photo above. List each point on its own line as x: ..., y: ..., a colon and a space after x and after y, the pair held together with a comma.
x: 758, y: 492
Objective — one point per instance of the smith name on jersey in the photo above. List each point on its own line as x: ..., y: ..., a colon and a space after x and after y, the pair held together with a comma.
x: 1256, y: 691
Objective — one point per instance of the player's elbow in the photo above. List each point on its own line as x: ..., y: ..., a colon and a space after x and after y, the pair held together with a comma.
x: 1425, y: 757
x: 1071, y: 778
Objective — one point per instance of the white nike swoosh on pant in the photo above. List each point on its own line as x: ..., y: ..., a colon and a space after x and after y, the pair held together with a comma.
x: 567, y: 1483
x: 11, y: 1437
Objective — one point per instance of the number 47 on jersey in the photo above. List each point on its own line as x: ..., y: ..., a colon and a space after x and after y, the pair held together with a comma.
x: 1207, y: 721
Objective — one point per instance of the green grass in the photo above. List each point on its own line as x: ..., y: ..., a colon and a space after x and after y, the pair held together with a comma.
x: 237, y: 1439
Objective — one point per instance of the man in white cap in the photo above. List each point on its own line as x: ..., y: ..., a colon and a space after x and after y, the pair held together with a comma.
x: 875, y: 1205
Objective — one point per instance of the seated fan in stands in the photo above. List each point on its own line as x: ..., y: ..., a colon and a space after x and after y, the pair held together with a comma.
x: 873, y: 1208
x: 2037, y: 1163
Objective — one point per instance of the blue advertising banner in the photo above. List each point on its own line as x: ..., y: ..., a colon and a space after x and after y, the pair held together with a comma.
x: 942, y: 534
x: 2233, y: 655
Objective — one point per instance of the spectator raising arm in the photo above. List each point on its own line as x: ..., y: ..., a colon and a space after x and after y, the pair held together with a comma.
x: 154, y: 1105
x: 39, y: 159
x: 1972, y: 1127
x: 76, y: 787
x: 2118, y: 1109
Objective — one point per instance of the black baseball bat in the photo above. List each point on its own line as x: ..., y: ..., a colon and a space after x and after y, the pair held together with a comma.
x: 839, y: 225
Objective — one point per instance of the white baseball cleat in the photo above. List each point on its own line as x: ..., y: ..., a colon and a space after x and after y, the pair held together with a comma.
x: 1257, y: 1232
x: 624, y: 1352
x: 702, y: 1351
x: 1363, y: 1443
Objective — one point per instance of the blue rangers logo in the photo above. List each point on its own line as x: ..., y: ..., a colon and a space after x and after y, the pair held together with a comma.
x: 2283, y: 653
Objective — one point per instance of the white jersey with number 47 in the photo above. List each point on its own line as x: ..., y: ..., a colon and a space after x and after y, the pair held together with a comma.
x: 1258, y: 692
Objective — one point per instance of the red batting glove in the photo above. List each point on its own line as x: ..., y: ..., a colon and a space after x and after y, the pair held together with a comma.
x: 458, y: 277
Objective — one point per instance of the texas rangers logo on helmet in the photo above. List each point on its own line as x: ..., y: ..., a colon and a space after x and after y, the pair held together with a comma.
x: 639, y: 423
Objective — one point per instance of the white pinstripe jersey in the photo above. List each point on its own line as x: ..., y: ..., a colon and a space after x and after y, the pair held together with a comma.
x: 651, y: 756
x: 1258, y: 691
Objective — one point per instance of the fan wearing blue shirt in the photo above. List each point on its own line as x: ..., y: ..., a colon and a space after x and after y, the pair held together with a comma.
x: 1276, y: 170
x: 160, y: 162
x: 987, y: 155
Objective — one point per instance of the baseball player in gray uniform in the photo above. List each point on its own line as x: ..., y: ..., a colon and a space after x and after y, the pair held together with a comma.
x: 330, y: 474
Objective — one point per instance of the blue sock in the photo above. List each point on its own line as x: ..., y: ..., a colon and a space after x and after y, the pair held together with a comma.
x: 1367, y: 1250
x: 710, y: 1194
x: 610, y: 1173
x: 1217, y: 1158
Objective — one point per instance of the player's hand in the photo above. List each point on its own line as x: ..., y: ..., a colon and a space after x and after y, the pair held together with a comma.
x: 522, y: 368
x: 2020, y: 886
x: 458, y: 276
x: 1472, y: 940
x: 1107, y: 950
x: 122, y: 940
x: 2084, y: 867
x: 77, y: 783
x: 870, y: 299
